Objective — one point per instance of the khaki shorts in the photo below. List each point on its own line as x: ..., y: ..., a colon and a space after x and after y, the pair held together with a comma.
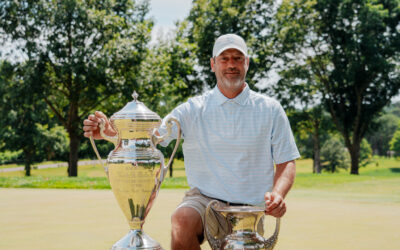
x: 216, y: 223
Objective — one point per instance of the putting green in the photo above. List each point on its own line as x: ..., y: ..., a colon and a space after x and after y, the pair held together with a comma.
x: 91, y: 219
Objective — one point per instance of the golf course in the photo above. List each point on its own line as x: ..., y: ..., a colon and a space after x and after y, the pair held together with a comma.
x: 325, y: 211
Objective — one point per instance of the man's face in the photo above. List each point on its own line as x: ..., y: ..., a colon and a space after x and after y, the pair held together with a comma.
x: 230, y: 68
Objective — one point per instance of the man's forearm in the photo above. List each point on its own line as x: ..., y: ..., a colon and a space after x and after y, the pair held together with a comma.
x: 284, y: 177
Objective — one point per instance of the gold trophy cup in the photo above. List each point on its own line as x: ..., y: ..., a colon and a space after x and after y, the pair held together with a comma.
x: 135, y: 168
x: 241, y: 228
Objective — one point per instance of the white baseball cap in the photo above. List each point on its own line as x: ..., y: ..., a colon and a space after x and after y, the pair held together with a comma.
x: 229, y: 41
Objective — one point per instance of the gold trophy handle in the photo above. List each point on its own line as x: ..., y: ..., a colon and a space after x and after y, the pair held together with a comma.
x: 271, y: 241
x: 113, y: 139
x: 98, y: 155
x: 157, y: 139
x: 178, y: 139
x: 215, y: 241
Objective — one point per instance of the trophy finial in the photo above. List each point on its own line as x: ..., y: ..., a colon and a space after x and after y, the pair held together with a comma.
x: 135, y: 95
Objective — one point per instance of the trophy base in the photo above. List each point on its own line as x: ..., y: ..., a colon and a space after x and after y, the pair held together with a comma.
x: 135, y: 240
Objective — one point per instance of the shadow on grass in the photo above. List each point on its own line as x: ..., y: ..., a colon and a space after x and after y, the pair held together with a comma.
x: 395, y: 170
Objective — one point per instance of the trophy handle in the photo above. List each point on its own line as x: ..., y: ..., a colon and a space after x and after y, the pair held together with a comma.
x: 214, y: 242
x: 157, y: 139
x: 113, y: 139
x: 271, y: 241
x: 98, y: 155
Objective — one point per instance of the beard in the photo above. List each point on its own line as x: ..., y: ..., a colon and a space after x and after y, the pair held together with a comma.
x: 234, y: 82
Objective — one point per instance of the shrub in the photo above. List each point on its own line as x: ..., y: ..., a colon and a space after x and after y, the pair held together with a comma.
x: 395, y: 143
x: 53, y: 143
x: 334, y: 155
x: 365, y: 153
x: 10, y: 156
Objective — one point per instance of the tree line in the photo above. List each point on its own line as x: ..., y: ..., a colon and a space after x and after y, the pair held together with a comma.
x: 337, y: 64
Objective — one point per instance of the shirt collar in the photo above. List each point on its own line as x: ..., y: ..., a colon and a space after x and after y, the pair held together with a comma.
x: 241, y: 99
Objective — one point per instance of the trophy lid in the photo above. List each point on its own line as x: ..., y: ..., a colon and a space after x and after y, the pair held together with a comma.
x: 135, y: 110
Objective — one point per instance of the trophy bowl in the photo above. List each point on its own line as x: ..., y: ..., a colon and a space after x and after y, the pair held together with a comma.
x: 135, y: 168
x: 240, y: 223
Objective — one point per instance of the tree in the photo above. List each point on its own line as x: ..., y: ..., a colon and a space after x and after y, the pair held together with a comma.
x: 395, y: 142
x: 21, y: 109
x: 170, y: 68
x: 208, y: 19
x: 365, y: 153
x: 53, y: 143
x: 311, y: 125
x: 348, y: 51
x: 381, y: 132
x: 394, y: 109
x: 91, y: 51
x: 334, y: 155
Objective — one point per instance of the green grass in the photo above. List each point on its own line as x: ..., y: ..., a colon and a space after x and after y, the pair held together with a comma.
x: 379, y: 181
x: 382, y: 177
x: 90, y: 177
x: 14, y: 165
x: 55, y: 182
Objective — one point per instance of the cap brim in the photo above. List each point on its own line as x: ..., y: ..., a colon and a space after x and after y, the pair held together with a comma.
x: 230, y: 47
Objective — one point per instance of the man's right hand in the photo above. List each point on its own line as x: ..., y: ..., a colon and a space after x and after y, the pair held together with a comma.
x: 91, y: 126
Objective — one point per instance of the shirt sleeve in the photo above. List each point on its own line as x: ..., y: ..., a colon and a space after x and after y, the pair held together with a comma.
x: 283, y: 144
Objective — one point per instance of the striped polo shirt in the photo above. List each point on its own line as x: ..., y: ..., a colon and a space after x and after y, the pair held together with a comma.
x: 230, y: 145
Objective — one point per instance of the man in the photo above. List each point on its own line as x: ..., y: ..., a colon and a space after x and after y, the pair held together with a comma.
x: 232, y: 137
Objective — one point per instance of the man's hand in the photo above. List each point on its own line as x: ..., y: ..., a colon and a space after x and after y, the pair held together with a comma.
x: 91, y: 126
x: 274, y: 204
x: 283, y: 180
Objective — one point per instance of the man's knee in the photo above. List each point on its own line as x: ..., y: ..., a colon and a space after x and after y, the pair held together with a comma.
x: 187, y: 228
x: 186, y: 219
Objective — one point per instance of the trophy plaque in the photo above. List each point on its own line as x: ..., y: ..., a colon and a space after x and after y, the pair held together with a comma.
x: 135, y: 168
x: 241, y: 223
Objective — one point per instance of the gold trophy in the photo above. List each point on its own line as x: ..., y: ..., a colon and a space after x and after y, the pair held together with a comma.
x: 135, y: 168
x: 241, y: 227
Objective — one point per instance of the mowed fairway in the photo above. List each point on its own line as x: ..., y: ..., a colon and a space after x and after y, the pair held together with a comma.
x: 90, y: 219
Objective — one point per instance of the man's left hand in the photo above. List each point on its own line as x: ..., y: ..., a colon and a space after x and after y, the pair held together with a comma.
x: 274, y: 204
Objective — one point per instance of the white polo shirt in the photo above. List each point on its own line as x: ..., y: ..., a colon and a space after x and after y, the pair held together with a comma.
x: 230, y: 145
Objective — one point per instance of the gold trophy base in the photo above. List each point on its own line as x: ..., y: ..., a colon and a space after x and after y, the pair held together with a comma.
x: 135, y: 240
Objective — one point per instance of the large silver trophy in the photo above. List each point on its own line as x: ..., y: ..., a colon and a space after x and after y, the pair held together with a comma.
x: 240, y: 223
x: 135, y: 168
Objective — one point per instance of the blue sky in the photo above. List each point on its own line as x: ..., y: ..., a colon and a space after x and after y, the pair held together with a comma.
x: 166, y: 12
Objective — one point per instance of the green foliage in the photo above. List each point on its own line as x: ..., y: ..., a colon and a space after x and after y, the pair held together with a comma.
x: 10, y: 156
x: 334, y: 155
x: 393, y: 109
x: 82, y: 52
x: 311, y: 127
x: 381, y: 132
x: 21, y: 109
x: 395, y: 142
x: 365, y: 153
x: 168, y: 75
x: 344, y: 53
x: 208, y: 19
x: 52, y: 144
x: 86, y: 150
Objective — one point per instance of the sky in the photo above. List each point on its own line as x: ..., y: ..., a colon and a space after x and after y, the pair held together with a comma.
x: 166, y: 12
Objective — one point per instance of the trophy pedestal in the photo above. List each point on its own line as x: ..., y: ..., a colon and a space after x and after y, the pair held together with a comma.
x: 135, y: 240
